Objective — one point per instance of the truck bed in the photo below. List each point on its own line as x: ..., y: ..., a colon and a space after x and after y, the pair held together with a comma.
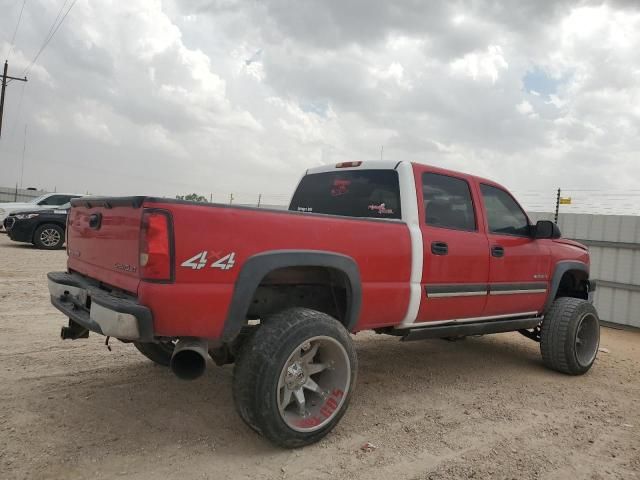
x: 230, y: 235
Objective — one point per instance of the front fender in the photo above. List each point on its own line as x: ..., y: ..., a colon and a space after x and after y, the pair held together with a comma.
x: 560, y: 270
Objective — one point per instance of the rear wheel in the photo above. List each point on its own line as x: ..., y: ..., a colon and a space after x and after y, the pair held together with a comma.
x: 570, y: 336
x: 159, y: 353
x: 294, y: 377
x: 49, y: 236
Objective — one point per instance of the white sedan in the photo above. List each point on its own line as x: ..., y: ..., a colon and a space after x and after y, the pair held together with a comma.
x: 47, y: 200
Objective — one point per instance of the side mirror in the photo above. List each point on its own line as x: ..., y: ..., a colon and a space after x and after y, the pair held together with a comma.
x: 546, y: 229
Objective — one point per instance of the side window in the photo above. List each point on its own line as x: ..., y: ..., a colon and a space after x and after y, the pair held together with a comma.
x: 447, y: 202
x: 64, y: 199
x: 56, y: 200
x: 504, y: 215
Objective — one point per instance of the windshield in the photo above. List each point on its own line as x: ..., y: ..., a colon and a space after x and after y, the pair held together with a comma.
x: 351, y: 193
x: 37, y: 199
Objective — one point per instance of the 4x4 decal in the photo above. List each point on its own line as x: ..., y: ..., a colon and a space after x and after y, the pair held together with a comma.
x: 199, y: 261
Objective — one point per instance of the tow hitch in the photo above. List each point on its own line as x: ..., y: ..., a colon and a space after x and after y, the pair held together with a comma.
x: 74, y: 331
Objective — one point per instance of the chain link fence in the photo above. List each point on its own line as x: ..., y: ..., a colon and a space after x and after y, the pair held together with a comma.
x: 277, y: 201
x: 9, y: 194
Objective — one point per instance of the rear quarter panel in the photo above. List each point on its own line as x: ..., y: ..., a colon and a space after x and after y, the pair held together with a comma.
x: 197, y: 303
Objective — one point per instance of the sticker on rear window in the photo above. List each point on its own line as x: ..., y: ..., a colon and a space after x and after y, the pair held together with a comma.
x: 381, y: 209
x: 340, y: 187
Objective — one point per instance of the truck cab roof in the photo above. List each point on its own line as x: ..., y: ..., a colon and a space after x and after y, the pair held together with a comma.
x: 393, y: 164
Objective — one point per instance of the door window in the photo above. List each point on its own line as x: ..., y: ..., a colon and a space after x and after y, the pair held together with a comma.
x: 504, y: 215
x: 56, y: 200
x: 53, y: 200
x: 447, y: 202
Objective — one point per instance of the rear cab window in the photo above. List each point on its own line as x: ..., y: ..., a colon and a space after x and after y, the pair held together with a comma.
x: 350, y: 193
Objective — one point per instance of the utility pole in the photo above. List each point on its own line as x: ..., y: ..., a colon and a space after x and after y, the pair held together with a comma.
x: 6, y: 77
x: 558, y: 205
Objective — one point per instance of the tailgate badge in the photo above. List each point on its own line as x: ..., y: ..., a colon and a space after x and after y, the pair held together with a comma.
x: 126, y: 268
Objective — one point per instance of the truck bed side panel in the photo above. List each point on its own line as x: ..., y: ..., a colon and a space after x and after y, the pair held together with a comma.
x: 197, y: 304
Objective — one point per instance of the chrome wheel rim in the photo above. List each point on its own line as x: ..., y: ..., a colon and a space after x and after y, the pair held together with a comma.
x: 587, y: 339
x: 50, y: 237
x: 313, y: 384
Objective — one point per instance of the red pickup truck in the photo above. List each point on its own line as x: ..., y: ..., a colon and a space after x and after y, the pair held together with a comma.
x: 399, y: 248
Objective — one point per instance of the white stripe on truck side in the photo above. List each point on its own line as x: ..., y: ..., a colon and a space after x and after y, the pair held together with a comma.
x: 409, y: 202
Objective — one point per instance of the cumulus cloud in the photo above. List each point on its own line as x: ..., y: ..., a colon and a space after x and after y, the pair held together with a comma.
x: 220, y: 95
x: 487, y: 64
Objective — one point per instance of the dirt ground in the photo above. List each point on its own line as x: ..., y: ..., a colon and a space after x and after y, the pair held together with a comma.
x: 480, y: 408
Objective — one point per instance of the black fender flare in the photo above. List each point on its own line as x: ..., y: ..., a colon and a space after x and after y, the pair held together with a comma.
x: 256, y: 267
x: 560, y: 270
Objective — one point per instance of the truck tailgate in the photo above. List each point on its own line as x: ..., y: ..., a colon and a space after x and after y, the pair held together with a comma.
x: 103, y: 240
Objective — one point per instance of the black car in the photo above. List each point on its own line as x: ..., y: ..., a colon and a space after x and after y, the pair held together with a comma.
x: 44, y: 228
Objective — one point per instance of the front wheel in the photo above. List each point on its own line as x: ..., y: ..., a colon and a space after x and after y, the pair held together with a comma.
x: 570, y: 336
x: 294, y: 377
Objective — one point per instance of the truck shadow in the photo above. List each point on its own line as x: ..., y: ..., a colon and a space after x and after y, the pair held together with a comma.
x: 140, y: 407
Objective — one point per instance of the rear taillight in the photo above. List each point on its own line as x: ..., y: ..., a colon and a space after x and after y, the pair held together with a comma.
x: 155, y: 246
x: 66, y: 230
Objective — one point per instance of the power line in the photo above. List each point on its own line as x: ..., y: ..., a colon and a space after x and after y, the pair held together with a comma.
x: 15, y: 32
x: 53, y: 24
x: 48, y: 36
x: 52, y: 31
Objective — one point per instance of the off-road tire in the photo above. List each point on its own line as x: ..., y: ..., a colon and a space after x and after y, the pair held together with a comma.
x: 159, y: 353
x: 561, y: 347
x: 46, y: 234
x: 261, y: 362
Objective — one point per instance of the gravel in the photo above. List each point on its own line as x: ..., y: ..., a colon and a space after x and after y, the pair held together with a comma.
x: 479, y: 408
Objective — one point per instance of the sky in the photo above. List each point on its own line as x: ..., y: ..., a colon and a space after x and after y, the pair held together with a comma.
x: 224, y: 96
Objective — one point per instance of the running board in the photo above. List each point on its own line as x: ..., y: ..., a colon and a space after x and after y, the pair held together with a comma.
x: 465, y: 329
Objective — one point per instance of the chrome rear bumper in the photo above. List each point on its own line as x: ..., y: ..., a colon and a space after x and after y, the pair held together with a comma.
x: 99, y: 311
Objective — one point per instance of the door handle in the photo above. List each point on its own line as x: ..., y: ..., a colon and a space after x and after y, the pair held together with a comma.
x: 439, y: 248
x: 497, y: 251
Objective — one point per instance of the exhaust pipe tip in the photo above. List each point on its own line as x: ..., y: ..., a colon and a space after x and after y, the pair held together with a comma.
x: 189, y: 359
